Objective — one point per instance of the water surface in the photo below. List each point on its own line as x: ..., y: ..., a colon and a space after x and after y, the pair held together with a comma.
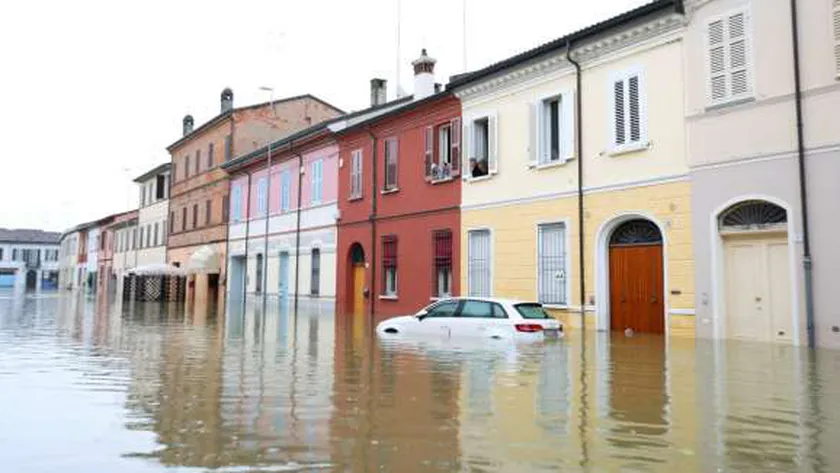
x: 91, y: 386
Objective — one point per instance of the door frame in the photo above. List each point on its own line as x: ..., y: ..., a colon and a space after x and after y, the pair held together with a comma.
x: 602, y: 268
x: 718, y: 267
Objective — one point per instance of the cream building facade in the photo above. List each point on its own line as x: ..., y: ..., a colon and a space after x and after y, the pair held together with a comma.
x: 520, y: 214
x: 747, y: 207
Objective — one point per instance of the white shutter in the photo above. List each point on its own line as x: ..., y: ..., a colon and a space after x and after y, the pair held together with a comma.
x: 492, y: 144
x: 717, y: 60
x: 738, y: 54
x: 567, y: 125
x: 534, y: 133
x: 619, y: 124
x: 466, y: 149
x: 836, y: 22
x: 729, y: 57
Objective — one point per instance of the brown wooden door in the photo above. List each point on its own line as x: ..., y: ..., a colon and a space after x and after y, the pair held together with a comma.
x: 636, y: 288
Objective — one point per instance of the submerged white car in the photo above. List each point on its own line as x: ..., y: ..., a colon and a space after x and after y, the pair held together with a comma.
x: 477, y: 317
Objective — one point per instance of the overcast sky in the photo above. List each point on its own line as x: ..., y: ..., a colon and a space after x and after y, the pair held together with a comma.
x: 94, y: 91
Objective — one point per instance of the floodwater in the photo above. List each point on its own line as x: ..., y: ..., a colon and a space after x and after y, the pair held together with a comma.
x: 87, y: 387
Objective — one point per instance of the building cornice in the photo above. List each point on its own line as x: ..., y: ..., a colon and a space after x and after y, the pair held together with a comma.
x: 586, y: 52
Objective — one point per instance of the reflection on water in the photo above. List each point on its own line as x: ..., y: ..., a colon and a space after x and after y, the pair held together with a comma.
x: 101, y: 386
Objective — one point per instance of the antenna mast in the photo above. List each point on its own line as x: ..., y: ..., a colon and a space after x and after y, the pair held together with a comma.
x: 399, y: 19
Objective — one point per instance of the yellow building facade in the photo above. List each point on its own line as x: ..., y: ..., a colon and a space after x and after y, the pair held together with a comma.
x: 520, y: 217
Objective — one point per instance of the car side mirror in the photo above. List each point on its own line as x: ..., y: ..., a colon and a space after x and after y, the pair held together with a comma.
x: 421, y: 315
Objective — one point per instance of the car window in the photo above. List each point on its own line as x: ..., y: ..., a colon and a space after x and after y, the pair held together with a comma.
x: 482, y: 309
x: 532, y: 311
x: 444, y: 309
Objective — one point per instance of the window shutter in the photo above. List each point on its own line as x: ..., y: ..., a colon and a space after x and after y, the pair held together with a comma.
x: 455, y: 152
x: 429, y: 147
x: 738, y: 61
x: 836, y: 18
x: 634, y: 110
x: 619, y: 128
x: 228, y: 148
x: 567, y: 124
x: 534, y: 133
x: 467, y: 148
x: 210, y: 156
x: 492, y: 144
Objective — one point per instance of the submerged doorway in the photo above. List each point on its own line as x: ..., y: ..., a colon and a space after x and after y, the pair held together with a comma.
x: 356, y: 278
x: 636, y: 279
x: 757, y: 272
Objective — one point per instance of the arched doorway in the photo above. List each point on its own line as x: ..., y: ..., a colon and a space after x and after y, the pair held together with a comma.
x: 756, y: 271
x: 636, y: 279
x: 356, y: 279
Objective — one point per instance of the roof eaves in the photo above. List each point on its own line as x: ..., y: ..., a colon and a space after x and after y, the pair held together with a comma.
x: 409, y: 105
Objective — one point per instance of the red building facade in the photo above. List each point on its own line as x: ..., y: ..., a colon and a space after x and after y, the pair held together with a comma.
x: 398, y: 246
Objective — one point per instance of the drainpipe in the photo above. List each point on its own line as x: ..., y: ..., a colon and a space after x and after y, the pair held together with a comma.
x: 374, y: 193
x: 807, y: 262
x: 579, y: 154
x: 247, y: 241
x: 297, y: 227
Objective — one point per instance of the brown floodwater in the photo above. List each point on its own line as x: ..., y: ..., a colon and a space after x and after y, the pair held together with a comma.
x: 88, y: 386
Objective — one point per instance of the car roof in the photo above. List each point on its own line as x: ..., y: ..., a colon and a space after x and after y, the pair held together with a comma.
x: 499, y: 300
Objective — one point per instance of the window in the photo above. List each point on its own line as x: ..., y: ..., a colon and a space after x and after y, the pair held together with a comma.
x: 186, y: 167
x: 171, y: 222
x: 482, y: 310
x: 479, y: 263
x: 315, y: 285
x: 160, y: 186
x: 259, y: 277
x: 442, y: 264
x: 14, y: 254
x: 391, y: 156
x: 101, y: 241
x: 148, y: 236
x: 197, y: 161
x: 208, y: 208
x: 629, y: 125
x: 1, y: 254
x: 236, y: 196
x: 228, y: 148
x: 552, y: 130
x: 195, y: 216
x: 551, y: 256
x: 142, y: 196
x: 443, y: 309
x: 356, y: 174
x: 443, y: 150
x: 389, y: 265
x: 134, y: 238
x: 225, y: 208
x: 480, y: 150
x: 174, y: 171
x: 141, y: 237
x: 163, y: 233
x: 836, y: 23
x: 317, y: 179
x: 183, y: 219
x: 210, y: 162
x: 532, y: 311
x: 262, y: 196
x: 285, y: 190
x: 156, y: 241
x: 729, y: 68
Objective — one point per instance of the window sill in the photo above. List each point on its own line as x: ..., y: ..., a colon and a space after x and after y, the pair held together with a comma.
x: 557, y: 164
x: 354, y: 199
x: 732, y: 102
x: 479, y: 179
x: 389, y: 191
x: 628, y: 149
x: 389, y: 298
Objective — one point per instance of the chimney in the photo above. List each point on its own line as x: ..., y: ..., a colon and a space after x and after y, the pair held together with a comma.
x: 188, y: 124
x: 424, y: 76
x: 227, y: 100
x: 378, y: 92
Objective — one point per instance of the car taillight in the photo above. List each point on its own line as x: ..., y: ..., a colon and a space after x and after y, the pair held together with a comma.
x: 529, y: 328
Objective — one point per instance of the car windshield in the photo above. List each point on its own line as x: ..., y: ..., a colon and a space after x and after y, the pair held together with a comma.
x: 532, y: 311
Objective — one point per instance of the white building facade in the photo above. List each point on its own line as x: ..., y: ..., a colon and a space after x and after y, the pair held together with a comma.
x: 152, y: 216
x: 29, y: 260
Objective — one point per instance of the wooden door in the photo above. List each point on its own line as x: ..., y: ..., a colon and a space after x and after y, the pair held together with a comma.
x: 358, y: 289
x: 758, y: 288
x: 636, y: 288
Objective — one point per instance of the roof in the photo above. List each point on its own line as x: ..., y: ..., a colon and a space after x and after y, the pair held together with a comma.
x: 327, y: 126
x: 157, y: 170
x: 222, y: 116
x: 405, y: 104
x: 653, y: 7
x: 26, y: 235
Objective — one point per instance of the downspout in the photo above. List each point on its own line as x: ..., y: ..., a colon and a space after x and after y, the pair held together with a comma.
x: 297, y: 227
x: 374, y: 193
x: 807, y: 262
x: 247, y: 241
x: 579, y: 154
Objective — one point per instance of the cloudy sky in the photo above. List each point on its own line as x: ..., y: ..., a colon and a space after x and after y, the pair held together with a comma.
x: 94, y: 91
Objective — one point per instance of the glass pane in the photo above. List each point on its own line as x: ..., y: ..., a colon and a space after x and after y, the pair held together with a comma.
x: 532, y: 311
x: 477, y: 309
x: 444, y: 309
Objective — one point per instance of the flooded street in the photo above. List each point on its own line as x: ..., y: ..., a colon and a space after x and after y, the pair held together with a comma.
x: 86, y: 386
